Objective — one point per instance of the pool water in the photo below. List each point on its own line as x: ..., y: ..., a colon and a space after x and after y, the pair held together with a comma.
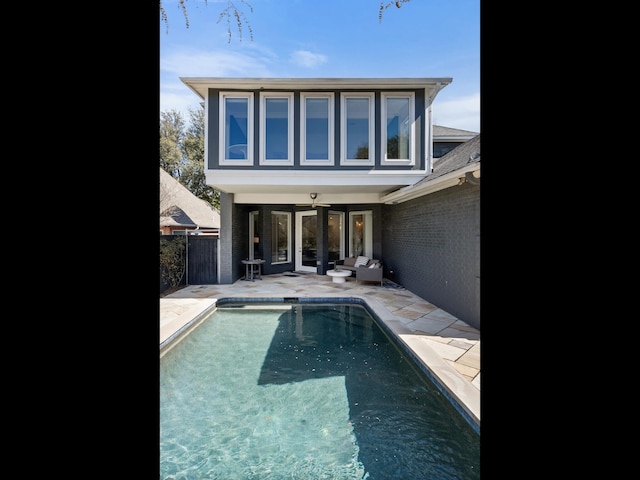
x: 304, y: 391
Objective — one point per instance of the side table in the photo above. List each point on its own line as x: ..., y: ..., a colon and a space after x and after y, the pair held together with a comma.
x: 250, y: 269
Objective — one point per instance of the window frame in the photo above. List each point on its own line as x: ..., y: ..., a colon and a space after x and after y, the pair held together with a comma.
x: 222, y: 147
x: 330, y: 97
x: 344, y: 96
x: 264, y: 96
x: 384, y: 96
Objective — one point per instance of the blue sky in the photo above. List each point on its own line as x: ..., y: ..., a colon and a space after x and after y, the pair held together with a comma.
x: 328, y: 38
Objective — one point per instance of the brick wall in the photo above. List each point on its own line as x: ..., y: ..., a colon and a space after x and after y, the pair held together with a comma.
x: 432, y: 244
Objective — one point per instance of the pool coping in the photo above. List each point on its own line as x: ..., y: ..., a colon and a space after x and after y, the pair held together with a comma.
x: 461, y: 393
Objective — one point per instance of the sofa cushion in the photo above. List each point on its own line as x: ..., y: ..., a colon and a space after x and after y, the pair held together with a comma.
x: 361, y: 261
x: 349, y: 261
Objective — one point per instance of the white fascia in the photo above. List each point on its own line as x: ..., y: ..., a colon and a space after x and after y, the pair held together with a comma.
x: 200, y: 85
x: 313, y: 177
x: 425, y: 188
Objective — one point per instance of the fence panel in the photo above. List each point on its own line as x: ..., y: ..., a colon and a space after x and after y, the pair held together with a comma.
x: 202, y: 259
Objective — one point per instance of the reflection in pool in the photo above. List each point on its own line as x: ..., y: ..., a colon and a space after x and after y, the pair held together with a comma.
x: 304, y: 391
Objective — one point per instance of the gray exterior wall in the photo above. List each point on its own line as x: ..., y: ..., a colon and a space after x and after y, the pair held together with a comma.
x: 227, y: 247
x: 432, y: 244
x: 213, y: 125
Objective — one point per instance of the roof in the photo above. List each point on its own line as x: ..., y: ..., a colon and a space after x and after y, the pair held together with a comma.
x: 181, y: 208
x: 445, y: 134
x: 200, y: 85
x: 465, y: 154
x: 460, y: 165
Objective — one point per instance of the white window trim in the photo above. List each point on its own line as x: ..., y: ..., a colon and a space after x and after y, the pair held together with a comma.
x: 343, y: 129
x: 303, y: 129
x: 412, y: 128
x: 222, y: 157
x: 263, y: 102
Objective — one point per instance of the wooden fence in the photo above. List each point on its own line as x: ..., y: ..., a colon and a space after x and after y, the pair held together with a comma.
x: 201, y: 261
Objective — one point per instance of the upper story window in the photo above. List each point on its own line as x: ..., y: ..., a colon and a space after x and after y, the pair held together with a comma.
x: 357, y: 129
x: 316, y: 132
x: 276, y: 128
x: 398, y: 129
x: 236, y: 121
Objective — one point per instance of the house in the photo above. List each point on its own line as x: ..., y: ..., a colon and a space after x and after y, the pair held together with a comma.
x: 181, y: 212
x: 312, y: 170
x: 446, y: 139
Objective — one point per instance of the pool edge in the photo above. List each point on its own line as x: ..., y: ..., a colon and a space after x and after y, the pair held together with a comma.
x: 463, y: 396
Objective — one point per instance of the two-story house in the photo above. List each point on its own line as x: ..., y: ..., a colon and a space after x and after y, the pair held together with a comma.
x: 311, y: 170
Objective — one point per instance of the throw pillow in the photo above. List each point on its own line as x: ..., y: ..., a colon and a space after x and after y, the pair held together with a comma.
x: 361, y: 261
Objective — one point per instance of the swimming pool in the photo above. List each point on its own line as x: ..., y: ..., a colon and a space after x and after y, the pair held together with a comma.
x: 304, y: 390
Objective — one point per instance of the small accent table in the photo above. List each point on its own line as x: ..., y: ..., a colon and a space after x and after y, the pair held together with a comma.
x: 339, y: 276
x: 250, y: 269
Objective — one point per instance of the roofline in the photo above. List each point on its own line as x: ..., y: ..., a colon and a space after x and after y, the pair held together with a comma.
x: 453, y: 138
x: 425, y: 188
x: 199, y: 85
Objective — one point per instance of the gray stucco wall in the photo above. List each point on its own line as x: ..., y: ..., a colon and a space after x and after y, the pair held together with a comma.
x: 226, y: 272
x: 432, y: 244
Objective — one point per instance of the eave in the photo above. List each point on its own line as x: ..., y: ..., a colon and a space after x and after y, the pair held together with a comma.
x: 294, y: 186
x: 452, y: 179
x: 200, y: 85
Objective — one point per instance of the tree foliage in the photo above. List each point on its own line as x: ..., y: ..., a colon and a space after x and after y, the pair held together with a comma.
x: 172, y: 259
x: 171, y: 138
x: 234, y: 15
x: 193, y: 176
x: 231, y: 14
x: 182, y: 153
x: 395, y: 3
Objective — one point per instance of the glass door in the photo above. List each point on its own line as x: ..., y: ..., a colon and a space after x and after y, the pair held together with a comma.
x: 254, y: 235
x: 361, y: 233
x: 306, y: 231
x: 335, y: 231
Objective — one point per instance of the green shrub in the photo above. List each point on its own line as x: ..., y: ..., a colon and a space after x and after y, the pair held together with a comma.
x: 172, y: 259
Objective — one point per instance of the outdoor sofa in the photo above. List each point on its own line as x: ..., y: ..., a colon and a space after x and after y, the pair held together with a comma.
x: 365, y: 268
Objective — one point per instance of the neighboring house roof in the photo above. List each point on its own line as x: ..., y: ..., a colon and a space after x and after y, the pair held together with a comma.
x: 447, y: 134
x: 465, y: 154
x: 181, y: 208
x: 460, y: 165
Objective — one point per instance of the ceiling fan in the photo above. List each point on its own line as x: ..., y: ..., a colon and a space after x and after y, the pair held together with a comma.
x: 313, y: 203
